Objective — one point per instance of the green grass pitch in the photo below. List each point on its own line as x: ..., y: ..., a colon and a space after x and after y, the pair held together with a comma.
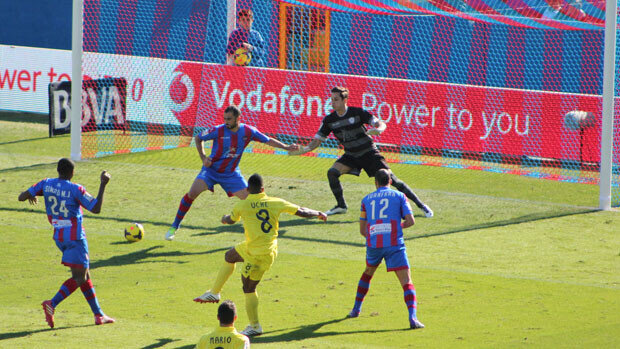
x: 506, y: 262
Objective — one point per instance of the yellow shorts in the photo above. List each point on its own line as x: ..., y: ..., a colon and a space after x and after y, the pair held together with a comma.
x: 254, y: 266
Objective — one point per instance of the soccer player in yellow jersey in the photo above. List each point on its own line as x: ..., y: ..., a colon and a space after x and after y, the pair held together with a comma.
x: 260, y: 214
x: 225, y: 336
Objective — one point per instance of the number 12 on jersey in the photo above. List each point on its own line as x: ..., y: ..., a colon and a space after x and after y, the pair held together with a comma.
x: 382, y: 207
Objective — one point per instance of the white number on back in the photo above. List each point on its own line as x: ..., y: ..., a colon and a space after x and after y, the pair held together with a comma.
x: 383, y: 206
x: 63, y: 208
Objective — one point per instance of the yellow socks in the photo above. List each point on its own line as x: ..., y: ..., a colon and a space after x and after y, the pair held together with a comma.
x: 225, y: 272
x: 251, y: 307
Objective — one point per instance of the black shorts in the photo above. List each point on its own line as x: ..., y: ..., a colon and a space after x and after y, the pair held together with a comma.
x: 371, y: 162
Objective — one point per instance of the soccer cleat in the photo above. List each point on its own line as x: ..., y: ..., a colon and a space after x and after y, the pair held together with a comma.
x: 103, y: 319
x: 208, y: 297
x: 353, y: 314
x: 415, y: 323
x: 336, y: 210
x: 48, y: 309
x: 428, y: 213
x: 253, y: 330
x: 170, y: 233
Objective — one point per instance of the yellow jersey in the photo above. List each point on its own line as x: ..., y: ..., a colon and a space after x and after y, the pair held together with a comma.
x: 260, y: 214
x: 224, y: 338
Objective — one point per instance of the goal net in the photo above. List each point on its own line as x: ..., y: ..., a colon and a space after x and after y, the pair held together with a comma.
x: 504, y: 86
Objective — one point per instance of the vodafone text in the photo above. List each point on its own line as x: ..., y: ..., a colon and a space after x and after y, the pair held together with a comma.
x: 283, y: 102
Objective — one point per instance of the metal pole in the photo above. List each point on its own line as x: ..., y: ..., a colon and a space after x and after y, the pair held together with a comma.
x: 609, y: 72
x: 76, y: 81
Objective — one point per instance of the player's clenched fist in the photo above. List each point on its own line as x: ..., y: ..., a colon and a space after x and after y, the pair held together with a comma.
x: 105, y: 177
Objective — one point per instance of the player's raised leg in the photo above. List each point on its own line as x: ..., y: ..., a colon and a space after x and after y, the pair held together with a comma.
x: 333, y: 176
x: 195, y: 190
x: 404, y: 276
x: 405, y: 189
x: 213, y: 295
x: 362, y: 289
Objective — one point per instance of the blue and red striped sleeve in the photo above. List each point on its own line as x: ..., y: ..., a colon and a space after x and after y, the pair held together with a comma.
x: 37, y: 189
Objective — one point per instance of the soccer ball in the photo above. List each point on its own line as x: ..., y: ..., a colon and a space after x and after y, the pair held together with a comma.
x: 242, y: 57
x: 578, y: 120
x: 134, y: 232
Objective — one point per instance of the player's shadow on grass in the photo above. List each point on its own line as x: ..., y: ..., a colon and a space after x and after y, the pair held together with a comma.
x: 41, y: 209
x: 146, y: 256
x: 310, y: 331
x: 19, y: 334
x: 161, y: 342
x: 517, y: 220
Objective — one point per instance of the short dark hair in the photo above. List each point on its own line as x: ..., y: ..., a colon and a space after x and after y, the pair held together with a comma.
x: 234, y: 110
x: 255, y: 183
x: 245, y: 13
x: 343, y: 91
x: 226, y: 312
x: 382, y: 177
x: 65, y: 167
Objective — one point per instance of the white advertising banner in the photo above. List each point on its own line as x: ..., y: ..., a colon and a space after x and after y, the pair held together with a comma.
x: 26, y: 72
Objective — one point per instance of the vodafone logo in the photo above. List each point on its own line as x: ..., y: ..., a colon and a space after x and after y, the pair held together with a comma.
x: 180, y: 92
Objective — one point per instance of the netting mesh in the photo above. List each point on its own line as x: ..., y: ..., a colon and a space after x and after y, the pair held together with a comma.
x: 459, y: 89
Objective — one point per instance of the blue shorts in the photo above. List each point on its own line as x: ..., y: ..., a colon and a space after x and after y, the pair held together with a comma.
x: 74, y: 253
x: 231, y: 182
x: 395, y: 257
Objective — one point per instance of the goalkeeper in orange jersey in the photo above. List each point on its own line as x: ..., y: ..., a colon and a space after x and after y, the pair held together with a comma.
x: 260, y: 214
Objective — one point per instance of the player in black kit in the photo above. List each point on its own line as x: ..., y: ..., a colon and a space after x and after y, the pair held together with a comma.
x: 360, y: 152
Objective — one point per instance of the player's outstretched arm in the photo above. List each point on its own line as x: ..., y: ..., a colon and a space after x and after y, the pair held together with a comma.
x: 306, y: 148
x: 105, y: 178
x: 277, y: 144
x: 27, y: 196
x: 309, y: 213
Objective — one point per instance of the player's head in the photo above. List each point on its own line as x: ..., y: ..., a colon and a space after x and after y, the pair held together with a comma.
x: 255, y: 184
x: 382, y: 178
x: 231, y: 117
x: 246, y: 18
x: 340, y: 96
x: 65, y: 168
x: 227, y: 313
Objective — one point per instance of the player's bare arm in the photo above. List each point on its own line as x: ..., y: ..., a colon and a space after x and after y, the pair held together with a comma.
x: 206, y: 161
x: 227, y: 220
x: 27, y: 196
x: 309, y: 213
x: 409, y: 221
x: 277, y: 144
x: 306, y: 148
x: 363, y: 228
x: 105, y: 178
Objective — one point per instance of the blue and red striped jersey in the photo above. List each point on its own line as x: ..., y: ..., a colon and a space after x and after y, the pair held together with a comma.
x: 228, y: 146
x: 63, y: 203
x: 383, y: 211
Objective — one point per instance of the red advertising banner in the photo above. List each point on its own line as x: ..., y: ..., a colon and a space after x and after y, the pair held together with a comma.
x: 433, y: 116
